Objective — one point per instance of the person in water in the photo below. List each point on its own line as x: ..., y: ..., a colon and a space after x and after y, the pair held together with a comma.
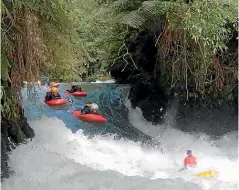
x: 189, y: 161
x: 50, y: 84
x: 75, y: 88
x: 46, y: 80
x: 90, y: 109
x: 52, y: 94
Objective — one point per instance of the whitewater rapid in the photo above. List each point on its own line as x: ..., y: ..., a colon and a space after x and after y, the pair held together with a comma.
x: 59, y: 159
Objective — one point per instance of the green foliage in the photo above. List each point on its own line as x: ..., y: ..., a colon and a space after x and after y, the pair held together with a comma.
x: 204, y: 21
x: 36, y: 35
x: 92, y: 78
x: 100, y: 32
x: 78, y: 40
x: 5, y: 66
x: 9, y: 106
x: 198, y: 31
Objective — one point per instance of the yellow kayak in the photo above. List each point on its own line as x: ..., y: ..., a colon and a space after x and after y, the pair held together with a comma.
x: 209, y: 173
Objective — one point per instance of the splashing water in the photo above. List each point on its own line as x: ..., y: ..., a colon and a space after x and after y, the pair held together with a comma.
x: 59, y: 159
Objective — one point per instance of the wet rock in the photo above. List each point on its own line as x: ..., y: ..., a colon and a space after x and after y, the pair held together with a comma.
x: 15, y: 133
x: 146, y: 92
x: 26, y: 129
x: 12, y: 134
x: 215, y: 121
x: 149, y: 97
x: 4, y: 158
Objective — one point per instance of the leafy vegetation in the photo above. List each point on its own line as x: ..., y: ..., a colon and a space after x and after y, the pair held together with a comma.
x: 35, y: 38
x: 194, y: 38
x: 80, y: 39
x: 193, y: 47
x: 195, y: 56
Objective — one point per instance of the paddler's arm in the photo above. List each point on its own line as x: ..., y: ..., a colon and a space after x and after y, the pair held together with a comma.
x: 71, y: 90
x: 86, y: 109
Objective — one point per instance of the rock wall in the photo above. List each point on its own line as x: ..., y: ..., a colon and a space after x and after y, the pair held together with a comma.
x: 148, y: 93
x: 12, y: 134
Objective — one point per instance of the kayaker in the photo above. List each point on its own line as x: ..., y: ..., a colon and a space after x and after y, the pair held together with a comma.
x: 52, y: 94
x: 46, y: 80
x: 189, y: 161
x: 52, y: 83
x: 75, y: 88
x: 48, y: 94
x: 90, y: 109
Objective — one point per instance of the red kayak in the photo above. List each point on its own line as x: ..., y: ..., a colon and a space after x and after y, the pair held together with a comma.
x: 89, y: 117
x: 55, y: 85
x: 77, y: 94
x: 56, y: 102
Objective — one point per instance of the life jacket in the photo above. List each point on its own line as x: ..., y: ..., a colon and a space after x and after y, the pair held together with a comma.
x: 73, y: 89
x: 53, y: 96
x: 190, y: 161
x: 87, y: 110
x: 79, y: 89
x: 48, y: 96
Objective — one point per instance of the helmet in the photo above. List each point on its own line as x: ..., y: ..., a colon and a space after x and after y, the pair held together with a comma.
x: 51, y: 83
x: 54, y: 90
x: 189, y: 152
x: 94, y: 106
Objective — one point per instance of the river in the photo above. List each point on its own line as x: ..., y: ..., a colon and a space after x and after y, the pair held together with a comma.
x: 126, y: 153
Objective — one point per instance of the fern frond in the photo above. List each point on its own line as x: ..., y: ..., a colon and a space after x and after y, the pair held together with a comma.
x: 134, y: 19
x: 149, y: 10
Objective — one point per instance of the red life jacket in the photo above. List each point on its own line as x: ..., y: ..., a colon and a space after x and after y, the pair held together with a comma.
x: 190, y: 161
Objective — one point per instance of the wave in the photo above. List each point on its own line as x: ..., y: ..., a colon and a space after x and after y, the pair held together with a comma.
x: 58, y: 155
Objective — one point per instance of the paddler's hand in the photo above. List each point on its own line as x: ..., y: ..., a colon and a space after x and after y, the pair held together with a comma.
x: 70, y: 100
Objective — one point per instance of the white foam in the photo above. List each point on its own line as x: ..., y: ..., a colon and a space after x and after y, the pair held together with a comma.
x: 106, y: 81
x: 55, y: 158
x: 221, y: 155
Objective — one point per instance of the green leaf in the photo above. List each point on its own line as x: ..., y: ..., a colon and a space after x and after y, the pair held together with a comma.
x: 5, y: 66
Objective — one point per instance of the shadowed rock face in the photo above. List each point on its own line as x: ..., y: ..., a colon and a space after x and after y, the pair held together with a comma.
x: 214, y: 122
x: 147, y: 91
x: 12, y: 133
x: 148, y: 95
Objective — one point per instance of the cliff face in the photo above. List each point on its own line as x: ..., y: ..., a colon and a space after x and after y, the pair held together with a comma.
x: 149, y: 93
x: 12, y: 134
x: 146, y: 91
